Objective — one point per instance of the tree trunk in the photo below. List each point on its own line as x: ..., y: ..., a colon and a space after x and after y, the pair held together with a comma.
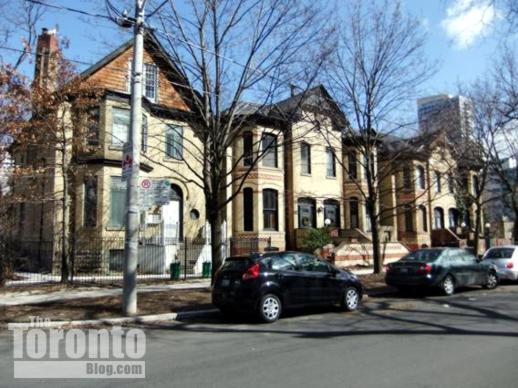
x: 64, y: 215
x: 476, y: 241
x: 515, y: 227
x: 376, y: 246
x: 216, y: 238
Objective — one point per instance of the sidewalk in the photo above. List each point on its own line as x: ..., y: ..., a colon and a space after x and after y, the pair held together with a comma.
x: 24, y: 297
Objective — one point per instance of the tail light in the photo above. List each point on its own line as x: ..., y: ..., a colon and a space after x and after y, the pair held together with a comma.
x: 252, y: 272
x: 509, y: 265
x: 425, y: 268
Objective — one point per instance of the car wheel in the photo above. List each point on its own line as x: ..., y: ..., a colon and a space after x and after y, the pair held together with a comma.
x: 448, y: 285
x: 350, y: 299
x: 491, y: 281
x: 270, y: 308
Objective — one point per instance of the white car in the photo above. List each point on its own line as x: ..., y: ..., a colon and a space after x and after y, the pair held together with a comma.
x: 505, y: 258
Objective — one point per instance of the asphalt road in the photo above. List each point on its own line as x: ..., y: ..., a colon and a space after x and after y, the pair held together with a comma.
x: 468, y: 340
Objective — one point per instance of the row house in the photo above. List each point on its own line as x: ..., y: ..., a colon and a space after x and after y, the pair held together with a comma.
x: 301, y: 173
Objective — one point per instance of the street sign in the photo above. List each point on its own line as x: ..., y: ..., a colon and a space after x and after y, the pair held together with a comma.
x: 127, y: 162
x: 145, y: 184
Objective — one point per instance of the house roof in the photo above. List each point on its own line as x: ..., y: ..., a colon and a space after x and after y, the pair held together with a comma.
x: 155, y: 48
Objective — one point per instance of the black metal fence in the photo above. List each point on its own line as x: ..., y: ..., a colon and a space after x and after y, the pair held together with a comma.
x: 95, y: 260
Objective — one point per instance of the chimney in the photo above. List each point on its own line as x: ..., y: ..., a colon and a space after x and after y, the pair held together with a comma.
x: 46, y: 65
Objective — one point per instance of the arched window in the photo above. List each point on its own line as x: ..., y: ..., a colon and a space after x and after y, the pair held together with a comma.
x: 248, y: 209
x: 438, y: 218
x: 409, y: 223
x: 424, y: 218
x: 306, y: 212
x: 270, y: 209
x: 453, y: 218
x: 332, y: 212
x: 420, y: 181
x: 353, y: 213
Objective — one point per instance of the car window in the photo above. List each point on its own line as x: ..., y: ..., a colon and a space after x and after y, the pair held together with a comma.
x: 283, y: 263
x: 426, y: 255
x: 321, y: 266
x: 499, y: 253
x: 468, y: 257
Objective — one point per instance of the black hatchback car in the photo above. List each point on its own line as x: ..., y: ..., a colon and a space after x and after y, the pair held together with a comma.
x: 445, y: 268
x: 268, y: 283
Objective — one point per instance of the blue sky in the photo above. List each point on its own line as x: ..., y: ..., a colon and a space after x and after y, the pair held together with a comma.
x: 462, y: 36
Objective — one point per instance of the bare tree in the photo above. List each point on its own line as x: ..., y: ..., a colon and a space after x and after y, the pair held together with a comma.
x: 230, y: 51
x: 378, y: 64
x: 20, y: 27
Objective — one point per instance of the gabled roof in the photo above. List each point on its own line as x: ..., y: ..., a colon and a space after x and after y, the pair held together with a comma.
x: 155, y: 48
x: 316, y: 99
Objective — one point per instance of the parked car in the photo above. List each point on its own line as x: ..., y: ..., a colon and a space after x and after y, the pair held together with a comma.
x: 505, y: 258
x: 271, y: 282
x: 445, y: 268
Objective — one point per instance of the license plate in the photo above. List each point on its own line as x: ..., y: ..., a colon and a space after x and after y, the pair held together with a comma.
x: 225, y: 283
x: 403, y: 270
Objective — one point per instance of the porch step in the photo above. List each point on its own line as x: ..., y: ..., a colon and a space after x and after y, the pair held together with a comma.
x: 347, y: 254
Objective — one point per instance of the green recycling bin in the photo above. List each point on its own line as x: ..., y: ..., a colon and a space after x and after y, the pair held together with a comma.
x: 174, y: 270
x: 206, y: 269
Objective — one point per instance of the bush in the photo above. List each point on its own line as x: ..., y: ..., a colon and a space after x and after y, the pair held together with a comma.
x: 316, y: 239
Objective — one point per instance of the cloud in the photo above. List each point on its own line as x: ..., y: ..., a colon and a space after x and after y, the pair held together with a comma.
x: 467, y: 20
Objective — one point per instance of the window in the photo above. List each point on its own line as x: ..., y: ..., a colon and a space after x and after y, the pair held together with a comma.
x: 353, y: 213
x: 269, y: 149
x: 174, y: 142
x: 437, y: 176
x: 419, y: 171
x: 120, y: 126
x: 407, y: 178
x: 331, y: 165
x: 476, y: 185
x: 143, y: 140
x: 117, y: 202
x: 424, y: 218
x: 310, y: 263
x: 93, y: 127
x: 90, y: 202
x: 248, y: 209
x: 332, y: 212
x: 306, y: 213
x: 451, y: 184
x: 409, y: 222
x: 438, y: 218
x: 150, y: 81
x: 270, y: 211
x: 353, y: 167
x: 305, y: 158
x: 248, y: 148
x: 286, y: 263
x: 452, y: 218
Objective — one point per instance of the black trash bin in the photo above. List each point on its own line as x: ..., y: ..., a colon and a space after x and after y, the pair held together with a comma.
x: 174, y: 270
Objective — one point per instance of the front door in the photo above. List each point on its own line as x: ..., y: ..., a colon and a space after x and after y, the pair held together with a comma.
x: 171, y: 220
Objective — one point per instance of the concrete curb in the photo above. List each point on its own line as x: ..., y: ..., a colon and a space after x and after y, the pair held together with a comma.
x: 166, y: 317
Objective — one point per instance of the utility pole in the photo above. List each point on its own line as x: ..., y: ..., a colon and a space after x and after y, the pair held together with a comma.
x: 129, y: 292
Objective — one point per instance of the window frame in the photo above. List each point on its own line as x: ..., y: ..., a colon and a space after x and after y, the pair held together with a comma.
x: 90, y: 212
x: 116, y: 141
x: 178, y: 133
x: 248, y: 148
x: 269, y: 150
x: 305, y: 166
x: 248, y: 214
x: 272, y: 211
x: 330, y: 159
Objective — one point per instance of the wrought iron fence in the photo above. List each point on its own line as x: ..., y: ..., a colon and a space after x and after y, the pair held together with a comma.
x: 101, y: 260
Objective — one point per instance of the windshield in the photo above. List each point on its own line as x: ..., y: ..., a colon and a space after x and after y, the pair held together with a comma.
x: 423, y: 255
x: 500, y: 253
